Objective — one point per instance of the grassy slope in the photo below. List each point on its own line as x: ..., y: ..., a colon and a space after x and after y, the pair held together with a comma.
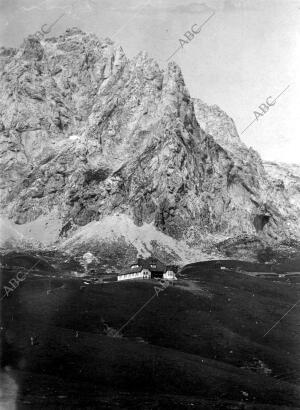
x: 199, y: 340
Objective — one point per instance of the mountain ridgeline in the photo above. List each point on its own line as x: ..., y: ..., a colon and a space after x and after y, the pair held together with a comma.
x: 87, y: 133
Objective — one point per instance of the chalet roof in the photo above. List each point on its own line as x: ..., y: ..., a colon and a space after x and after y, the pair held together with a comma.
x: 152, y: 264
x: 174, y: 268
x: 146, y: 263
x: 132, y: 270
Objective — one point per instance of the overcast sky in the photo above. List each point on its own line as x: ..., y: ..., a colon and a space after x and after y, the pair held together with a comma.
x: 247, y: 51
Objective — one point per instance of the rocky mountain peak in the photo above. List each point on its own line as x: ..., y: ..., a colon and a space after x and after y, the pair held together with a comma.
x: 86, y: 132
x: 216, y: 122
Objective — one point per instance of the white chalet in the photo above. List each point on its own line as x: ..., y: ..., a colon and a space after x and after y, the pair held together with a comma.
x: 147, y: 269
x: 169, y: 274
x: 135, y: 272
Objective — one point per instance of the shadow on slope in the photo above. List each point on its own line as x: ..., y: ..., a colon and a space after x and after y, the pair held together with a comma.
x: 209, y: 345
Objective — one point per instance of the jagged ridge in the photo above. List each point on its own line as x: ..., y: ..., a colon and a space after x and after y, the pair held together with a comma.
x: 88, y: 133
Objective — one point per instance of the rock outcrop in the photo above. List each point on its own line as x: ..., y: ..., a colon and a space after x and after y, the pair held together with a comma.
x: 87, y: 133
x: 286, y: 178
x: 274, y: 201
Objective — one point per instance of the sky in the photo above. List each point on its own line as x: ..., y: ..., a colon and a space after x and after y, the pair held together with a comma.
x: 247, y: 53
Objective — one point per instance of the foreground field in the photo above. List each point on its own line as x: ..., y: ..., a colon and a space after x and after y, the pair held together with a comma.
x: 199, y: 343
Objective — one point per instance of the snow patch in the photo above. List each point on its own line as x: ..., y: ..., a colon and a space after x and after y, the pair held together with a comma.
x: 10, y: 237
x: 74, y: 137
x: 44, y: 229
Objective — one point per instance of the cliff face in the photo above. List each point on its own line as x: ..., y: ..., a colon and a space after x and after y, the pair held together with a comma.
x: 276, y: 204
x: 87, y: 133
x: 286, y: 178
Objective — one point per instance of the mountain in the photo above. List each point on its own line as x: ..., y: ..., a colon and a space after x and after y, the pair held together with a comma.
x: 270, y: 192
x: 88, y: 135
x: 286, y: 176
